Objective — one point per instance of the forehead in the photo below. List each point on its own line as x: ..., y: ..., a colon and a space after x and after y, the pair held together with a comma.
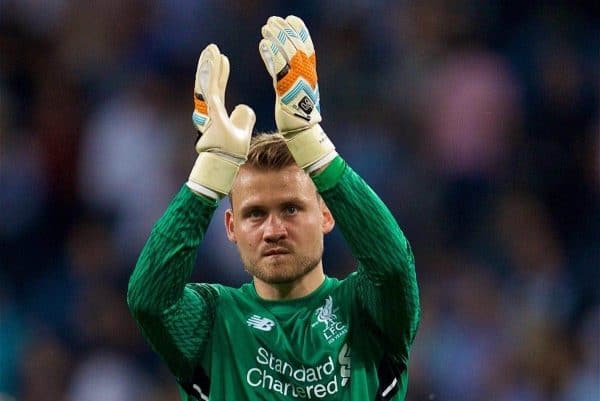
x: 254, y: 185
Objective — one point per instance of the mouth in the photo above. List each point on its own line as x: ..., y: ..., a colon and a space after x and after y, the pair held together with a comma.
x: 276, y: 251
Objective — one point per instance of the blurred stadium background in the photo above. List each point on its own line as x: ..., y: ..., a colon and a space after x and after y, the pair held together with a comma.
x: 476, y: 121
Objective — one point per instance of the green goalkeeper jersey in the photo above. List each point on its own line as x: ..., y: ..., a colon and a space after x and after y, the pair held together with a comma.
x: 347, y: 340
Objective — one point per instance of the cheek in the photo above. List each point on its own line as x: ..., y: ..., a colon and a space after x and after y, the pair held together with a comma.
x: 250, y: 244
x: 311, y: 231
x: 247, y: 236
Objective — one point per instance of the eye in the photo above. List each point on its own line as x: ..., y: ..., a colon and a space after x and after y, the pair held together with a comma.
x: 254, y: 214
x: 290, y: 210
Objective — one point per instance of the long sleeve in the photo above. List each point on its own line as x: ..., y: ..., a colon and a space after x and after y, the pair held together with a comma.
x: 174, y: 317
x: 385, y: 280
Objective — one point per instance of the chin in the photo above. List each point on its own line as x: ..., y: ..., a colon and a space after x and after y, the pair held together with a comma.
x: 278, y: 272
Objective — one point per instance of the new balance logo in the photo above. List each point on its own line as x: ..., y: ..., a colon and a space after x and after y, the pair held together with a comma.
x: 260, y: 323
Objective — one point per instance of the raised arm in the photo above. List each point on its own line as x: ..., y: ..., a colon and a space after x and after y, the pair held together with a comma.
x: 385, y: 282
x: 175, y: 317
x: 171, y: 315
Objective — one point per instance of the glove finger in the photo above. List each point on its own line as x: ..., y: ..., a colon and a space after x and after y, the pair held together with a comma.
x: 306, y: 65
x: 197, y: 86
x: 209, y: 55
x: 267, y: 54
x: 300, y: 28
x: 243, y: 117
x: 213, y: 88
x: 273, y: 58
x: 200, y: 114
x: 274, y: 31
x: 291, y: 34
x: 223, y: 76
x: 212, y: 70
x: 216, y: 109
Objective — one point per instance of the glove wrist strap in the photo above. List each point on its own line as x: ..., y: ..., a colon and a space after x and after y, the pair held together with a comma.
x: 214, y: 173
x: 311, y: 148
x: 199, y: 189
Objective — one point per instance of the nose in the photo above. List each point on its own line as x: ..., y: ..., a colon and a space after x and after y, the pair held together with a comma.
x: 274, y: 229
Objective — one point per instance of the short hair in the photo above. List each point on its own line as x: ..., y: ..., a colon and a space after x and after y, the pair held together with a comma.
x: 268, y: 151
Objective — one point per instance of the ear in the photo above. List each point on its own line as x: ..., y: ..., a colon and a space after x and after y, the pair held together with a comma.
x: 229, y: 225
x: 328, y: 220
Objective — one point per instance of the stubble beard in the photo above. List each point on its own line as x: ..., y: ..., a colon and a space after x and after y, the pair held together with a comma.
x: 281, y: 271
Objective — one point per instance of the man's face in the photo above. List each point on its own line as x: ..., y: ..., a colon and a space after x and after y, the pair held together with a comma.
x: 277, y: 221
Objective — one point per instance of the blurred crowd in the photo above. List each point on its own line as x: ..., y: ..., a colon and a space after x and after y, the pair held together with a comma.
x: 476, y: 121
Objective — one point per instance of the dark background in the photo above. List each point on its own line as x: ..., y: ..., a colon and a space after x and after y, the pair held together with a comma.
x: 476, y: 122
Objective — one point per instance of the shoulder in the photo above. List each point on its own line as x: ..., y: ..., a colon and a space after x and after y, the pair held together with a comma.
x: 219, y: 290
x: 224, y: 294
x: 347, y: 284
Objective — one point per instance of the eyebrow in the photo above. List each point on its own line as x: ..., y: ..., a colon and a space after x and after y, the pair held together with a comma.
x: 285, y: 202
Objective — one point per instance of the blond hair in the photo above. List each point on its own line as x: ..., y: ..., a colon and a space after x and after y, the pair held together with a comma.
x: 268, y: 151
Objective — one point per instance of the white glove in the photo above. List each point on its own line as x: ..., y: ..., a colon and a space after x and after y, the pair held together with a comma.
x: 289, y: 55
x: 225, y: 140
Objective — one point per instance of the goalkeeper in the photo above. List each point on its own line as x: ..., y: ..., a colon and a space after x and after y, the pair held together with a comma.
x: 292, y: 332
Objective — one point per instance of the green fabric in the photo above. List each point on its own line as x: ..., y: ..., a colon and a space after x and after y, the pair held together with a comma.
x: 163, y: 306
x: 329, y: 177
x: 385, y: 277
x: 253, y: 349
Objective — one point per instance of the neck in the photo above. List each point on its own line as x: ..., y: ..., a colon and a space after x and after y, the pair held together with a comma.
x: 297, y: 288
